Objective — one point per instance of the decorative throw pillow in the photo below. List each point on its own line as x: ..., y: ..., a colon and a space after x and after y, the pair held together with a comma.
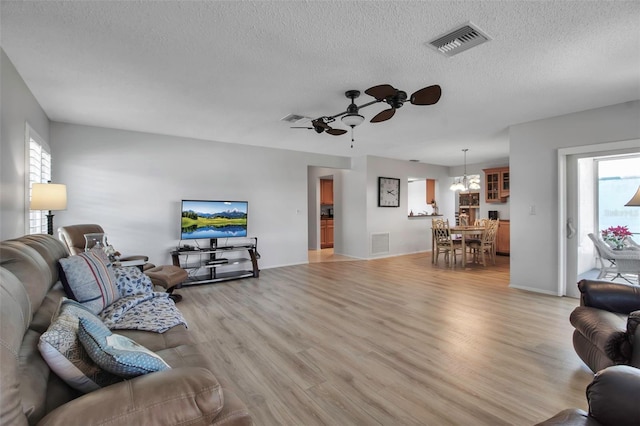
x: 117, y: 354
x: 88, y: 278
x: 61, y: 349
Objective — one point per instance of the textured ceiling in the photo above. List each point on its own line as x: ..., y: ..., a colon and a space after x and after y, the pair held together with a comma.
x: 229, y: 71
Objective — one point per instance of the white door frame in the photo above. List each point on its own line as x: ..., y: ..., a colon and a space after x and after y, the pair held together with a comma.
x: 562, y: 196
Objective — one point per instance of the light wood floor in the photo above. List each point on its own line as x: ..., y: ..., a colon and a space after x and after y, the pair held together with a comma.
x: 393, y: 341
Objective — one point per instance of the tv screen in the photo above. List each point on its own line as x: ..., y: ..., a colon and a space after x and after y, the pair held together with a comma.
x: 213, y: 219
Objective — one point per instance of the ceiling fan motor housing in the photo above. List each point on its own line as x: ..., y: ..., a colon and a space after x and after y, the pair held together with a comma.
x: 397, y: 100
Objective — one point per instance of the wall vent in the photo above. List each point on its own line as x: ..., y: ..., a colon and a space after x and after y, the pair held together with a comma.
x: 295, y: 118
x: 459, y: 40
x: 380, y: 243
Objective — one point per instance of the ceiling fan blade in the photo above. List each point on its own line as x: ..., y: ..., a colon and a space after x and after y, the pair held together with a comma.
x: 427, y: 96
x: 383, y: 115
x: 336, y: 132
x: 320, y: 123
x: 381, y: 91
x: 301, y: 127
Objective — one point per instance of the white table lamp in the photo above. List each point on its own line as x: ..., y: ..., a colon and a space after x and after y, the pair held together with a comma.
x: 48, y: 196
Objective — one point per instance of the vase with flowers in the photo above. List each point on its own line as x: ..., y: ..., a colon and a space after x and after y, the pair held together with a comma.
x: 615, y: 236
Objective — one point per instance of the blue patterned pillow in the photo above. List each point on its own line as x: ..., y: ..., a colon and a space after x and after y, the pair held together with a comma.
x: 62, y: 350
x: 115, y: 353
x: 88, y: 278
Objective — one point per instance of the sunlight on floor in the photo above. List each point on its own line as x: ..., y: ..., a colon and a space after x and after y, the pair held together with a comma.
x: 326, y: 255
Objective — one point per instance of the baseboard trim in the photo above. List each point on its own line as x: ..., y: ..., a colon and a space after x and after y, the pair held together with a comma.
x: 534, y: 290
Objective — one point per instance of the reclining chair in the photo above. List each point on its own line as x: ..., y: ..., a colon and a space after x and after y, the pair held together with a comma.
x: 169, y: 277
x: 603, y: 335
x: 607, y: 338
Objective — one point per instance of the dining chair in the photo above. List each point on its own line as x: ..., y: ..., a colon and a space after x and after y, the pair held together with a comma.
x: 481, y: 222
x: 443, y: 243
x: 486, y: 244
x: 496, y: 224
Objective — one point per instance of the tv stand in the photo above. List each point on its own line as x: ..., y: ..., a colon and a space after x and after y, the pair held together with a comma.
x: 218, y: 263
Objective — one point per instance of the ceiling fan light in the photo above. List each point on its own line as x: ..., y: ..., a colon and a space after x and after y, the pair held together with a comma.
x: 352, y: 120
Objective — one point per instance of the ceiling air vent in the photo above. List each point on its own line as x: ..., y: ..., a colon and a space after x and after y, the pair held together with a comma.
x: 294, y: 118
x: 459, y: 40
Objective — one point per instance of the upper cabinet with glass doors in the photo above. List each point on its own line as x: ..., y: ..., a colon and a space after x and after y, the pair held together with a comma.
x: 497, y: 183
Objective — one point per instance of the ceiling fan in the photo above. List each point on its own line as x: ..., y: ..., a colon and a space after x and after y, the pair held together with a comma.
x: 382, y: 93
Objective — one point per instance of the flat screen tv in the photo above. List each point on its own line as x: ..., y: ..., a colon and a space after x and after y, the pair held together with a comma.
x: 213, y: 219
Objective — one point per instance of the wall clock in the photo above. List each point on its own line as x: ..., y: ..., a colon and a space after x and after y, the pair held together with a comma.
x: 388, y: 192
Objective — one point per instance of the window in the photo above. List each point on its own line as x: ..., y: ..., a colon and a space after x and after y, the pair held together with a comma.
x: 39, y: 171
x: 618, y: 180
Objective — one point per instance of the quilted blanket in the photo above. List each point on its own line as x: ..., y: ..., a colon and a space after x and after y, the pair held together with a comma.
x: 139, y: 307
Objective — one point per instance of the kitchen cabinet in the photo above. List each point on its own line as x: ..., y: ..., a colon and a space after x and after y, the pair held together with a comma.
x: 503, y: 237
x: 431, y: 191
x: 326, y: 233
x: 497, y: 183
x: 326, y: 192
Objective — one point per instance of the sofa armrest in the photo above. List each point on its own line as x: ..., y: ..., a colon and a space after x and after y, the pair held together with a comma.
x: 613, y: 396
x: 187, y: 395
x: 612, y: 297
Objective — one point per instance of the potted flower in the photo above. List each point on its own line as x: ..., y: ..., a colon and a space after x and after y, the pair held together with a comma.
x: 615, y: 236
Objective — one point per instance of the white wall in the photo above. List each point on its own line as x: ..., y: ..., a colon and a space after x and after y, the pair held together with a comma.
x: 132, y: 183
x: 350, y: 203
x: 534, y: 182
x: 18, y: 108
x: 405, y: 235
x: 357, y: 215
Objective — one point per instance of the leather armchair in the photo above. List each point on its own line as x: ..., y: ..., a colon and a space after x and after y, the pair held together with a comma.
x: 606, y: 337
x: 73, y: 237
x: 601, y: 338
x: 169, y: 277
x: 612, y: 398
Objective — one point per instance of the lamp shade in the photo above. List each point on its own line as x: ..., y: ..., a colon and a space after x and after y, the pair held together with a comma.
x: 635, y: 200
x: 352, y: 120
x: 48, y: 196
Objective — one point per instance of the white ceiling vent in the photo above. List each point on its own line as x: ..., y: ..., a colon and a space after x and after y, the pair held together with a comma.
x: 459, y: 40
x: 295, y: 118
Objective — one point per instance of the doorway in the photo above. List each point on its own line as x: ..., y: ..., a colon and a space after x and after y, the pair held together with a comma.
x: 586, y: 203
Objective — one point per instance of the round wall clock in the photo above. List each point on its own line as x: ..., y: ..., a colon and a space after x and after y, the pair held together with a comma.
x: 388, y: 192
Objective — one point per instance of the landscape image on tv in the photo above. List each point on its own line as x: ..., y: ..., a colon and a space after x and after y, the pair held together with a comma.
x: 213, y: 219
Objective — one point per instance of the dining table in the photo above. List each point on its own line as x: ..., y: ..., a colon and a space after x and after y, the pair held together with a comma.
x: 465, y: 231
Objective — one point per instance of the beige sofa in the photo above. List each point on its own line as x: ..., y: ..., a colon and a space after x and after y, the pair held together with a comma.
x: 30, y: 291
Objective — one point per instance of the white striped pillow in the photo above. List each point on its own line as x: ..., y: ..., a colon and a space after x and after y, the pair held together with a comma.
x: 89, y: 279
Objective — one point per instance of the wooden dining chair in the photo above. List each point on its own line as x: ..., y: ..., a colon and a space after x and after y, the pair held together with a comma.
x: 443, y: 243
x: 486, y: 244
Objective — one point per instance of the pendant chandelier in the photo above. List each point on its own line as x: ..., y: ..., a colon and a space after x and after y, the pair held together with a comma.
x: 466, y: 183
